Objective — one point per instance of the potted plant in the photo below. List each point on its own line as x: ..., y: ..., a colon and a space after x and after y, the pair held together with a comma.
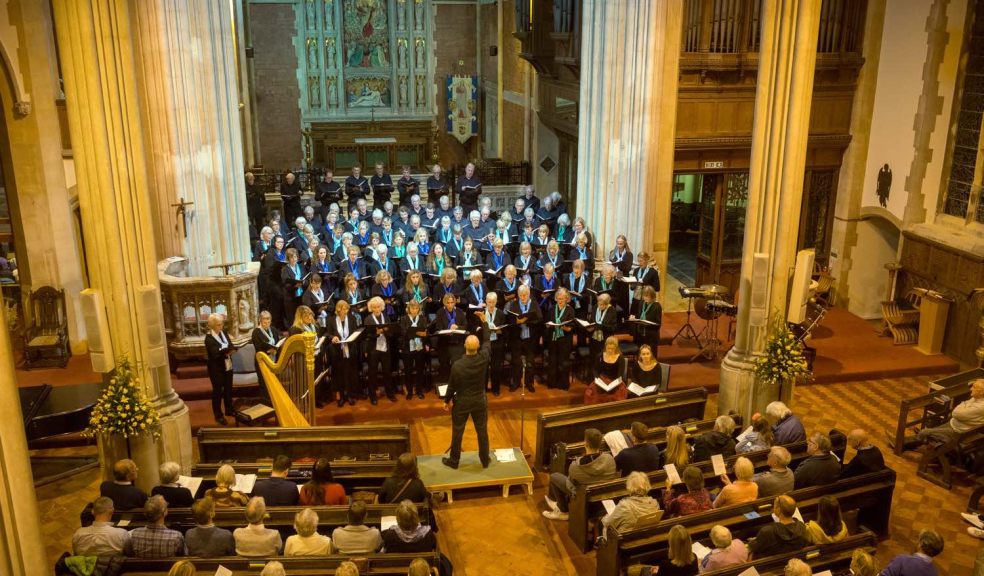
x: 783, y: 362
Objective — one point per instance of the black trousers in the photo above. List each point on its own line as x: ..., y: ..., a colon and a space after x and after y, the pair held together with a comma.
x: 380, y: 372
x: 497, y: 364
x: 523, y: 349
x: 413, y: 371
x: 479, y: 413
x: 345, y: 372
x: 559, y: 366
x: 221, y: 390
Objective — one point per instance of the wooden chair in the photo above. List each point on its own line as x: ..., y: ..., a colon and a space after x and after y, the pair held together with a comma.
x: 46, y: 341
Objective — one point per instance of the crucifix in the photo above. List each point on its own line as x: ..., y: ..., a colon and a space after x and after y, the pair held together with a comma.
x: 182, y: 213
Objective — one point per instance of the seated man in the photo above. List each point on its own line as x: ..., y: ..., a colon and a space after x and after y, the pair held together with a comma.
x: 120, y: 490
x: 155, y: 540
x: 786, y: 426
x: 796, y: 567
x: 255, y: 539
x: 717, y: 441
x: 641, y: 456
x: 277, y: 490
x: 786, y: 534
x: 356, y: 537
x: 727, y: 551
x: 409, y: 535
x: 634, y: 508
x: 868, y: 458
x: 101, y: 538
x: 918, y: 564
x: 206, y: 540
x: 594, y: 466
x: 177, y: 496
x: 968, y: 415
x: 822, y: 467
x: 779, y: 479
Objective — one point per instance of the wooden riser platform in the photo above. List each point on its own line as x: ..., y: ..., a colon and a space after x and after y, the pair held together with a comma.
x: 441, y: 479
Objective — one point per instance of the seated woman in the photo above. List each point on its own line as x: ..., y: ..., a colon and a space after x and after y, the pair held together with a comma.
x: 646, y: 371
x: 743, y: 489
x: 409, y: 535
x: 223, y: 496
x: 727, y: 551
x: 609, y: 366
x: 634, y: 508
x: 760, y: 437
x: 680, y: 559
x: 404, y: 483
x: 307, y: 541
x: 829, y: 527
x: 695, y: 499
x: 677, y: 452
x: 321, y: 489
x: 177, y: 496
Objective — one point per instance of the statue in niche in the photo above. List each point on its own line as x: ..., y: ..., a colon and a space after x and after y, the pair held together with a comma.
x: 312, y: 46
x: 403, y: 90
x: 401, y: 15
x: 420, y: 91
x: 403, y: 53
x: 330, y: 52
x: 245, y: 318
x: 883, y: 185
x: 418, y: 17
x: 315, y: 92
x: 312, y: 14
x: 329, y: 14
x: 420, y: 52
x: 332, y: 94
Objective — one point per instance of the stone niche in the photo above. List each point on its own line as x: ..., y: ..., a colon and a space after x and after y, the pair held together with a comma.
x: 188, y: 301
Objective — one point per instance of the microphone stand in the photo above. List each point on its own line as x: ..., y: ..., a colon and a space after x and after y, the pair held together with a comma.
x: 522, y: 410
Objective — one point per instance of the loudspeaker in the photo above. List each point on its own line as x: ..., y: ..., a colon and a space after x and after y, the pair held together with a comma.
x: 799, y: 293
x: 758, y: 313
x: 97, y: 331
x: 151, y: 320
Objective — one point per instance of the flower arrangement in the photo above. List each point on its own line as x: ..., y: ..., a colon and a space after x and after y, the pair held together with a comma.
x: 783, y: 360
x: 122, y: 409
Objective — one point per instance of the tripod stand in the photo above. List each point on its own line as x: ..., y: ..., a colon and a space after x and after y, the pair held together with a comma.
x: 711, y: 349
x: 688, y: 331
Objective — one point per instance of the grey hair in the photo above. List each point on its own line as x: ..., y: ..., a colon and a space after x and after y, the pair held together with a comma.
x: 225, y: 476
x: 170, y: 472
x: 777, y: 411
x: 564, y: 220
x: 528, y: 212
x: 273, y: 568
x: 474, y: 214
x: 102, y: 505
x: 155, y: 508
x: 255, y: 510
x: 721, y: 536
x: 377, y: 213
x: 782, y: 456
x: 638, y: 484
x: 725, y: 424
x: 306, y: 522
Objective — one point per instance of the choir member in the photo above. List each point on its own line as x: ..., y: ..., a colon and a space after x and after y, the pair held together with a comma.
x: 416, y: 206
x: 399, y: 246
x: 387, y: 234
x: 468, y: 187
x: 341, y: 253
x: 443, y: 231
x: 376, y: 222
x: 255, y: 202
x: 271, y: 286
x: 263, y: 244
x: 457, y: 242
x: 526, y: 319
x: 542, y: 238
x: 450, y: 346
x: 356, y: 187
x: 308, y: 255
x: 412, y: 260
x: 444, y: 207
x: 475, y: 230
x: 548, y: 212
x: 385, y: 289
x: 498, y: 258
x: 352, y: 224
x: 383, y: 262
x: 649, y: 310
x: 292, y: 280
x: 327, y: 192
x: 609, y: 365
x: 608, y: 282
x: 402, y: 221
x: 503, y: 230
x: 321, y: 264
x: 605, y: 320
x: 530, y: 199
x: 552, y: 255
x: 314, y: 219
x: 564, y: 233
x: 437, y: 185
x: 361, y: 238
x: 333, y: 237
x: 458, y: 217
x: 546, y: 284
x: 469, y: 255
x: 350, y: 292
x: 218, y: 348
x: 304, y: 322
x: 578, y: 228
x: 380, y: 346
x: 264, y: 340
x: 429, y: 218
x: 646, y: 371
x: 526, y: 227
x: 299, y: 239
x: 577, y: 282
x: 290, y: 193
x: 353, y: 264
x: 437, y: 260
x: 415, y: 289
x: 582, y: 251
x: 473, y: 298
x: 621, y: 255
x: 645, y: 273
x: 370, y: 255
x: 508, y: 285
x: 316, y: 298
x: 493, y: 321
x: 558, y: 339
x: 408, y: 186
x: 518, y: 211
x: 381, y: 184
x: 344, y: 357
x: 413, y: 347
x: 447, y: 285
x: 525, y: 263
x: 422, y: 239
x: 558, y: 202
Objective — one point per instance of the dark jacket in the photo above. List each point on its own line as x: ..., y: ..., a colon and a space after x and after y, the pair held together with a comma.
x: 818, y: 470
x: 175, y: 496
x: 421, y: 540
x: 713, y: 442
x: 210, y: 542
x: 277, y: 491
x: 468, y: 378
x: 779, y: 538
x: 393, y: 490
x: 124, y: 496
x: 789, y: 430
x: 865, y: 461
x: 640, y: 458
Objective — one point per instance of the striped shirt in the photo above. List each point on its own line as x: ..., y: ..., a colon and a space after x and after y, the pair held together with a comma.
x: 156, y: 541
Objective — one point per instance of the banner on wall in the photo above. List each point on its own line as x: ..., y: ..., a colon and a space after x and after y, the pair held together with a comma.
x: 462, y: 121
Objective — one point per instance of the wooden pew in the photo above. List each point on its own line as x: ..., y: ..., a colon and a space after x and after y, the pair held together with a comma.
x: 363, y: 442
x: 932, y: 409
x: 352, y: 474
x: 278, y: 517
x: 588, y: 498
x: 569, y: 424
x: 870, y: 495
x: 834, y: 557
x: 935, y: 464
x: 368, y: 564
x: 562, y: 454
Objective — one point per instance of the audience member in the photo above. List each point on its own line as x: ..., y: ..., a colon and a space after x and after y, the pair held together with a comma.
x: 404, y: 483
x: 862, y: 564
x: 277, y: 490
x: 419, y: 567
x: 183, y: 568
x: 322, y: 490
x: 743, y: 489
x: 695, y: 499
x: 347, y: 568
x: 868, y: 458
x: 786, y: 534
x: 929, y: 545
x: 255, y: 539
x: 760, y: 437
x: 727, y: 551
x: 821, y: 467
x: 594, y: 466
x: 155, y: 540
x: 206, y: 540
x: 409, y: 535
x: 829, y: 526
x: 223, y: 495
x: 634, y: 508
x: 796, y: 567
x: 355, y: 537
x: 786, y: 426
x: 274, y: 568
x: 177, y: 496
x: 677, y: 452
x: 120, y: 489
x: 716, y: 441
x: 641, y: 456
x: 779, y: 478
x: 307, y: 541
x: 968, y: 415
x: 680, y: 560
x: 101, y: 538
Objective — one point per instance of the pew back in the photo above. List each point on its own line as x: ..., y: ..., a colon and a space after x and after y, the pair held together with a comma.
x: 834, y: 557
x: 359, y: 442
x: 934, y: 408
x: 368, y: 564
x: 352, y: 474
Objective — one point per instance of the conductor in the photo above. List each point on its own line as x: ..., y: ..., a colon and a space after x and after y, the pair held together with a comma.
x: 466, y: 387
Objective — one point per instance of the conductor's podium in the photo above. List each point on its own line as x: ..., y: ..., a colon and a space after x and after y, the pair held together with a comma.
x: 439, y: 478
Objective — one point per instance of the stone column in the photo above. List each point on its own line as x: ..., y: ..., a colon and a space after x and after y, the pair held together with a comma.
x: 189, y: 104
x: 782, y: 121
x: 630, y: 54
x: 100, y: 76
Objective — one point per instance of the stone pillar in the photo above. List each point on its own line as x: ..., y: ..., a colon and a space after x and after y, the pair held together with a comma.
x: 630, y: 54
x: 100, y: 76
x: 189, y: 104
x: 775, y: 189
x: 22, y: 550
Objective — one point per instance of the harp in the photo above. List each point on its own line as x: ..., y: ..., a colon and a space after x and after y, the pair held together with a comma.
x: 290, y: 380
